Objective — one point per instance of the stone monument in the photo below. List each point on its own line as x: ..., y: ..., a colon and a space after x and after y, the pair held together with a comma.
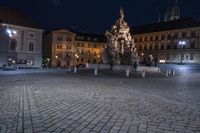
x: 120, y: 47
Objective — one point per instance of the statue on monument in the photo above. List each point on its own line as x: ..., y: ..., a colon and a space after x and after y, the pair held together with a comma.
x: 120, y: 45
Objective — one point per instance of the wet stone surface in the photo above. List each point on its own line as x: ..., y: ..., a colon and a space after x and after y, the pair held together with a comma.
x: 46, y: 101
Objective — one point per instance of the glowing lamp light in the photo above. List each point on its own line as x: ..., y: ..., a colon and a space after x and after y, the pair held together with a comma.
x: 162, y: 61
x: 11, y: 32
x: 182, y: 42
x: 14, y: 32
x: 13, y: 61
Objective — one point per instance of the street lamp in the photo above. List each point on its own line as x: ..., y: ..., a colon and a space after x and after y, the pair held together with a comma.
x: 182, y: 43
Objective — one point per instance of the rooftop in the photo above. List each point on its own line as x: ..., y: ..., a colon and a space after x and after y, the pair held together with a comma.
x: 83, y: 36
x: 165, y: 26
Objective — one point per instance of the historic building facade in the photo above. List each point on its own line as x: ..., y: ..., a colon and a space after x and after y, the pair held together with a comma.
x: 63, y: 48
x: 175, y: 41
x: 20, y: 41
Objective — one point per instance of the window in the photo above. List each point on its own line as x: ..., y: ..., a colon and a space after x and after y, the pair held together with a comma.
x: 59, y: 55
x: 176, y: 36
x: 182, y: 56
x: 156, y: 47
x: 163, y: 37
x: 78, y: 44
x: 13, y: 44
x: 175, y: 46
x: 94, y: 61
x: 59, y: 46
x: 192, y: 44
x: 31, y: 35
x: 145, y: 39
x: 168, y: 36
x: 186, y: 57
x: 193, y: 34
x: 135, y: 40
x: 31, y: 47
x: 82, y: 45
x: 82, y: 60
x: 150, y: 47
x: 184, y: 35
x: 191, y: 56
x: 168, y: 47
x: 140, y: 47
x: 162, y: 47
x: 140, y: 39
x: 29, y: 62
x: 59, y: 39
x: 69, y: 39
x: 151, y: 38
x: 77, y: 59
x: 145, y: 47
x: 167, y: 57
x: 157, y: 38
x: 95, y: 46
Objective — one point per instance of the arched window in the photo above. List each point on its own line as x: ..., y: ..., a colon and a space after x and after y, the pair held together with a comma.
x: 31, y: 47
x: 13, y: 44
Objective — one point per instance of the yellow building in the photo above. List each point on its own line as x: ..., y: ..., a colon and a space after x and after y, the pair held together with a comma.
x: 89, y: 48
x: 175, y: 41
x: 63, y: 48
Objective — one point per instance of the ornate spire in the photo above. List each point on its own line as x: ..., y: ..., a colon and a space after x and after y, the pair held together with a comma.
x: 173, y: 12
x: 121, y: 13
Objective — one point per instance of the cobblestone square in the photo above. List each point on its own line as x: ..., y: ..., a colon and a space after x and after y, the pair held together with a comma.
x: 51, y: 101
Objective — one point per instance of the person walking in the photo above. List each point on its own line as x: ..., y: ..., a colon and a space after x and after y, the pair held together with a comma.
x: 135, y: 66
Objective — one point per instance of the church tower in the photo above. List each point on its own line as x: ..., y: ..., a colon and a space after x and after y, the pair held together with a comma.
x: 173, y: 12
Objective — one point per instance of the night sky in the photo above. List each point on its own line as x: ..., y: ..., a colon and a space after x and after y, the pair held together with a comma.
x: 96, y: 16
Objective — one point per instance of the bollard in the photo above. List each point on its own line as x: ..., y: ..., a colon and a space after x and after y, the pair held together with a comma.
x: 173, y: 72
x: 95, y: 71
x: 167, y: 73
x: 127, y: 73
x: 159, y: 70
x: 143, y: 74
x: 75, y: 69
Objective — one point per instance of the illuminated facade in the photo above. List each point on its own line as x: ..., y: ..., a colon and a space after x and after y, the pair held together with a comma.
x: 175, y: 41
x: 63, y: 48
x: 20, y: 40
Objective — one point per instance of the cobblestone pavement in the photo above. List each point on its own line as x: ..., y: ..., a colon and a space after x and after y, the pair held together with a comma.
x: 45, y: 101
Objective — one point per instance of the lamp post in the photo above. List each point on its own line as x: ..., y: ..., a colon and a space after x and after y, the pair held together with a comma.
x: 182, y: 43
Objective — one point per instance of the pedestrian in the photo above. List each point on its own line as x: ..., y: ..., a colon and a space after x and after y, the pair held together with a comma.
x: 135, y: 66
